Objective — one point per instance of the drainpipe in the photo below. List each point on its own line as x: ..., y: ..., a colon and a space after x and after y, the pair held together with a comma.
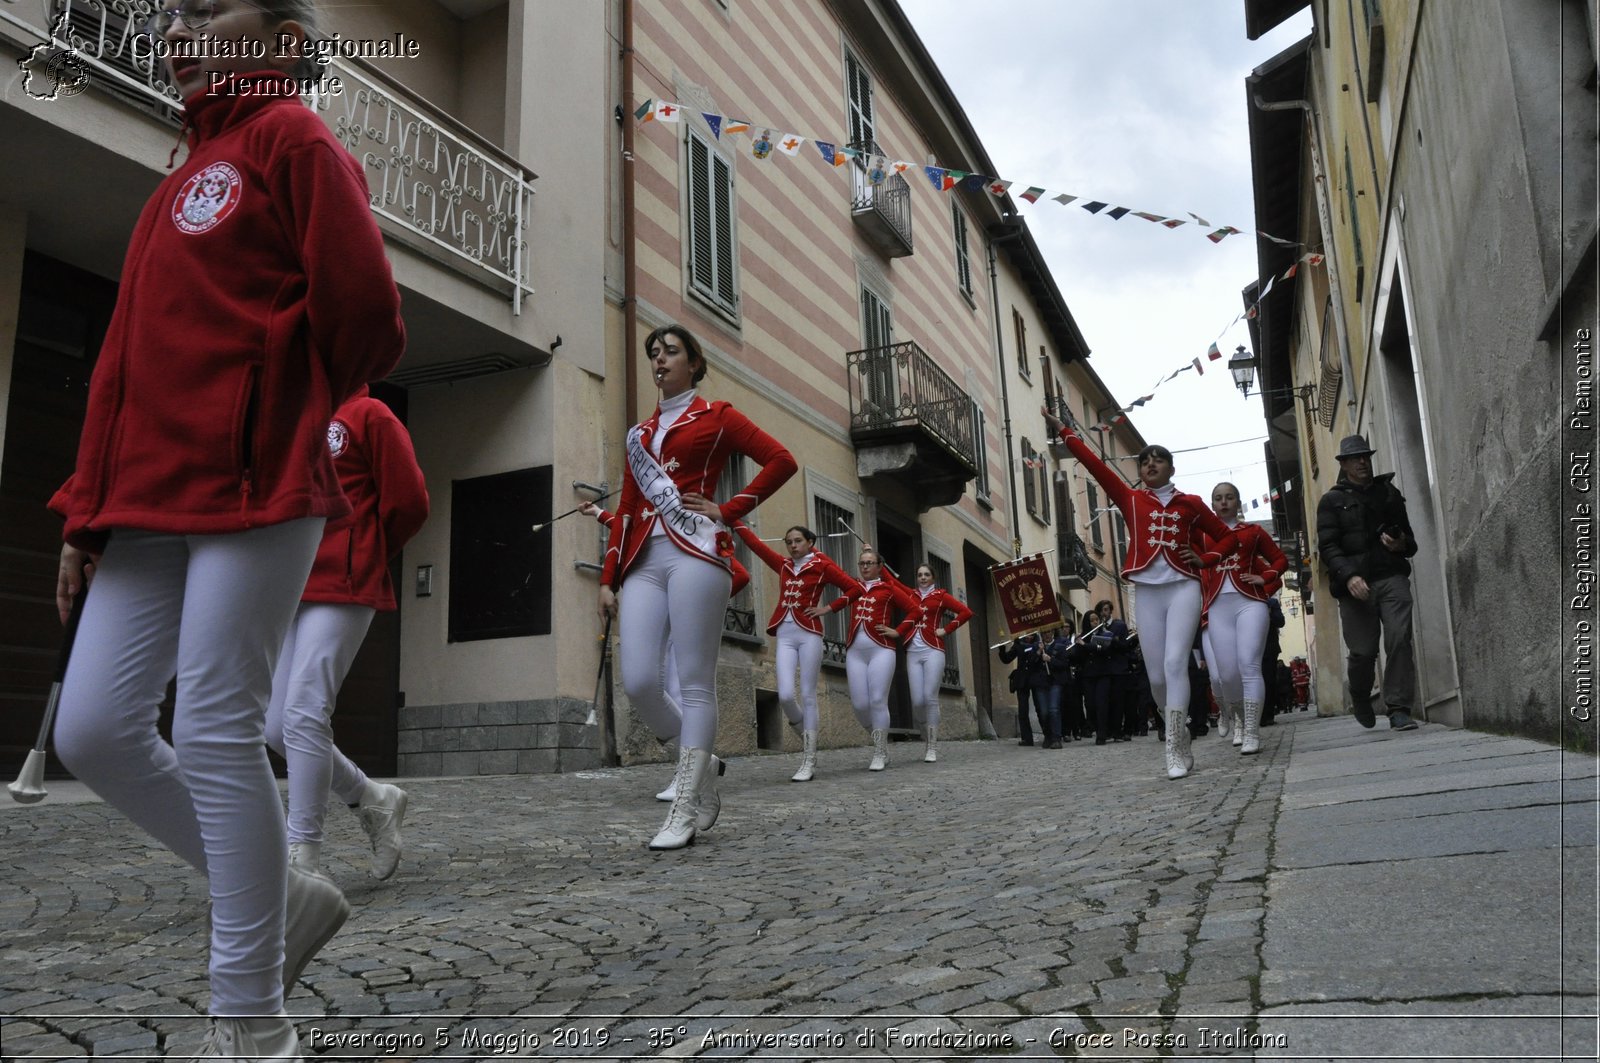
x: 1005, y: 393
x: 630, y: 284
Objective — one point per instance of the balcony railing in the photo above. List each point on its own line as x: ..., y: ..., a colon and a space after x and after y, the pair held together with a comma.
x: 882, y: 209
x: 443, y: 186
x: 899, y: 387
x: 1076, y: 568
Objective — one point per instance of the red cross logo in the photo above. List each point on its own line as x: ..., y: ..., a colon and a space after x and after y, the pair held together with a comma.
x: 667, y: 110
x: 791, y: 143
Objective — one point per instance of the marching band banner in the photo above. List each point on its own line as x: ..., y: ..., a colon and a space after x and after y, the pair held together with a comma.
x: 1027, y: 595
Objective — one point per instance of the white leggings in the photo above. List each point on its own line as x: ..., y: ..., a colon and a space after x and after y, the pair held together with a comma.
x: 802, y: 648
x: 869, y: 668
x: 1168, y: 615
x: 1235, y: 639
x: 925, y: 670
x: 316, y: 656
x: 668, y: 590
x: 212, y: 610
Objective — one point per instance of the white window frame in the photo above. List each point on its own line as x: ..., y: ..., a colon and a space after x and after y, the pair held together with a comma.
x: 963, y: 255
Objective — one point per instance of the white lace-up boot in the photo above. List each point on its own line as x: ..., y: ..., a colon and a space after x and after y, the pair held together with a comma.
x: 1178, y: 759
x: 1252, y: 728
x: 709, y: 804
x: 808, y: 759
x: 267, y: 1038
x: 880, y: 750
x: 679, y: 829
x: 931, y: 734
x: 382, y: 810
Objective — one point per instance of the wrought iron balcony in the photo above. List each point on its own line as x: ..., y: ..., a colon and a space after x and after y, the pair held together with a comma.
x: 1076, y: 568
x: 445, y: 189
x: 911, y: 423
x: 881, y: 208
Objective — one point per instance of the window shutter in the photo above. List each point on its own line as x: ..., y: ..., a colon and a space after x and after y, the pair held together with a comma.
x: 701, y: 268
x: 722, y: 190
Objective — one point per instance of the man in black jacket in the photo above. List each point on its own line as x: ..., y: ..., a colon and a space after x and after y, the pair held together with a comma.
x: 1365, y: 537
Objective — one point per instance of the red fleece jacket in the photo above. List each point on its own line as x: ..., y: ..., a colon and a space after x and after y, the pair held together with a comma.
x: 255, y: 298
x: 388, y: 498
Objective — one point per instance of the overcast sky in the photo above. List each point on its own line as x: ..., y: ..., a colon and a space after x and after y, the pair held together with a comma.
x: 1140, y: 103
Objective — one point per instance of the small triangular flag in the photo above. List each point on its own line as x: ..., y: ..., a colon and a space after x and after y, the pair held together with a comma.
x: 1032, y: 194
x: 1221, y: 234
x: 1063, y: 199
x: 761, y: 147
x: 790, y: 144
x: 667, y: 112
x: 1198, y: 368
x: 1213, y: 353
x: 1173, y: 223
x: 715, y: 122
x: 645, y: 111
x: 1116, y: 213
x: 738, y: 125
x: 998, y: 188
x: 1199, y: 219
x: 975, y: 182
x: 1094, y: 207
x: 1147, y: 216
x: 1292, y: 270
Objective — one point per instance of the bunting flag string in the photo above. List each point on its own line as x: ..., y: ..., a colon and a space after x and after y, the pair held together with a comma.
x: 878, y: 168
x: 942, y: 178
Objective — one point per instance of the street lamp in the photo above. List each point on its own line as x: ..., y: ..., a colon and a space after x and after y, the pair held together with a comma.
x: 1243, y: 367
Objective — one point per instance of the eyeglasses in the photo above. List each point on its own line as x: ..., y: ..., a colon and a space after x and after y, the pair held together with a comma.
x: 196, y: 14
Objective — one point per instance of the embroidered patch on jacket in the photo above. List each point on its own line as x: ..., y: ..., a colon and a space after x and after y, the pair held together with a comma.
x: 338, y: 438
x: 207, y: 198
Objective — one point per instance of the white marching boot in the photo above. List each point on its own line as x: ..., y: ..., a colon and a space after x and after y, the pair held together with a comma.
x: 1251, y: 742
x: 930, y: 732
x: 268, y: 1038
x: 708, y: 806
x: 382, y: 811
x: 314, y: 911
x: 678, y: 830
x: 880, y: 750
x: 305, y: 855
x: 1225, y: 722
x: 808, y: 759
x: 1179, y: 761
x: 1236, y: 714
x: 672, y: 788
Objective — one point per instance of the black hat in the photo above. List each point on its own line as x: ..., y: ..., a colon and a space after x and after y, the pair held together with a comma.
x: 1353, y: 447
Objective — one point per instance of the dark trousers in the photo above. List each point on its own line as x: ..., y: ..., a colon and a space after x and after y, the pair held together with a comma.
x: 1097, y: 697
x: 1072, y: 709
x: 1125, y: 693
x: 1040, y: 696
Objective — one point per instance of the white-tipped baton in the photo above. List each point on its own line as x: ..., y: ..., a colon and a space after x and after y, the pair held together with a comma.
x: 885, y: 565
x: 599, y: 676
x: 29, y: 787
x: 570, y: 512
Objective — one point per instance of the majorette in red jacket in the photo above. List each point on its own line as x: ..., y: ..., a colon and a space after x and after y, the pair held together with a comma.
x: 388, y: 499
x: 927, y: 623
x: 741, y: 575
x: 1257, y: 554
x: 803, y: 581
x: 870, y: 607
x: 1154, y: 530
x: 255, y: 298
x: 693, y: 452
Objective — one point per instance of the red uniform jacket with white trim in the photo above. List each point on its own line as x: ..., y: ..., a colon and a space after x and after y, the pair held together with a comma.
x: 1257, y: 554
x: 935, y: 604
x: 870, y: 607
x: 388, y: 496
x: 693, y: 451
x: 803, y: 581
x: 1155, y: 530
x: 255, y: 298
x: 741, y: 575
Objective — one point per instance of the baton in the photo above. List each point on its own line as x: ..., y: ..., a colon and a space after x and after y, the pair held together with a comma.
x: 570, y: 512
x: 599, y: 676
x: 886, y: 566
x: 29, y: 787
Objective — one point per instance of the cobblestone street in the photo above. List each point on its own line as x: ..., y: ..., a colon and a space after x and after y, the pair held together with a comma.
x: 1345, y: 894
